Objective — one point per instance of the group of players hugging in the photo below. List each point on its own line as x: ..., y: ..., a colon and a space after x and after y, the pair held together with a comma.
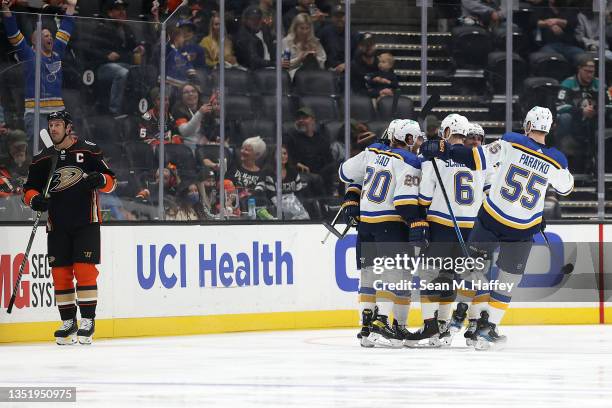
x: 404, y: 201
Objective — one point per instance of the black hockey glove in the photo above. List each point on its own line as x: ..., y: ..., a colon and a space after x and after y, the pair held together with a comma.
x: 94, y: 180
x: 39, y: 203
x: 419, y: 232
x: 435, y: 149
x: 350, y: 211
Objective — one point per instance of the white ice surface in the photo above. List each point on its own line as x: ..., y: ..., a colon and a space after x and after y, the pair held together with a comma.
x: 546, y: 366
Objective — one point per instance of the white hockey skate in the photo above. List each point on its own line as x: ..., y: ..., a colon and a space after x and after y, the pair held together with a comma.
x: 67, y: 334
x: 86, y: 330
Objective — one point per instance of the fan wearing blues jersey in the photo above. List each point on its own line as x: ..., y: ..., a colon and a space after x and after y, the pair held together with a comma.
x: 512, y: 212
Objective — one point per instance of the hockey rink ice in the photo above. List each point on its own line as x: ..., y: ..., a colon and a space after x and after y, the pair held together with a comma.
x: 542, y: 366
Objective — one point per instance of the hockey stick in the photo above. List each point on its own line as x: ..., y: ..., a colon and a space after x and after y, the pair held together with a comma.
x: 450, y: 210
x: 433, y: 100
x: 565, y: 269
x: 44, y: 135
x: 330, y: 227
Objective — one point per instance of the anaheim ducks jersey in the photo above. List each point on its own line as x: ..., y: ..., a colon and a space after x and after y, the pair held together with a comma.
x: 465, y: 189
x: 388, y: 181
x: 71, y: 202
x: 515, y: 202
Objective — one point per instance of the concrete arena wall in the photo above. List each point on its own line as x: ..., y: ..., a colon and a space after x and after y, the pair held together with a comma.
x: 191, y: 279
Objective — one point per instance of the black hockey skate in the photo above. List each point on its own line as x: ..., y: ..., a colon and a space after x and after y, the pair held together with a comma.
x: 486, y: 336
x: 86, y: 330
x: 429, y: 332
x: 382, y: 335
x: 67, y: 334
x: 366, y: 327
x: 449, y: 329
x: 469, y: 332
x: 400, y: 331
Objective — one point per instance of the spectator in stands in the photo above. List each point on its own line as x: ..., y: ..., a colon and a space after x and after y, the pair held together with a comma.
x: 332, y: 38
x: 291, y: 181
x: 310, y: 149
x: 193, y: 117
x: 384, y: 81
x: 487, y: 13
x: 363, y: 63
x: 14, y: 168
x: 577, y: 114
x: 254, y: 43
x: 18, y: 160
x: 303, y: 6
x: 114, y: 50
x: 207, y: 186
x: 195, y: 53
x: 149, y: 192
x: 189, y: 207
x: 306, y: 50
x: 210, y: 45
x: 293, y: 189
x: 268, y: 12
x: 52, y: 51
x: 555, y: 28
x: 587, y: 33
x: 247, y: 173
x: 149, y: 122
x: 179, y: 69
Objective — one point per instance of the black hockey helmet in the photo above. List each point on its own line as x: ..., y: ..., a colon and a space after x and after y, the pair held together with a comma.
x: 60, y: 115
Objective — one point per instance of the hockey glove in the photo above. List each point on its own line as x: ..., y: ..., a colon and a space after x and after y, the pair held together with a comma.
x: 350, y: 211
x: 39, y: 203
x: 419, y: 232
x: 435, y: 149
x: 94, y: 180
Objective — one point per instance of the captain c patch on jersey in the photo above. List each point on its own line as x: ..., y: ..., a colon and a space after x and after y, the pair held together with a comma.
x: 65, y: 177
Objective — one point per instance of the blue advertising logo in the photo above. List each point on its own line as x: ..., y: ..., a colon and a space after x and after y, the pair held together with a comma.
x: 546, y: 279
x: 265, y: 263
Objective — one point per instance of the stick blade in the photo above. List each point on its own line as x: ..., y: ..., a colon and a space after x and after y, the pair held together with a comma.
x: 332, y: 230
x: 46, y: 138
x: 431, y: 103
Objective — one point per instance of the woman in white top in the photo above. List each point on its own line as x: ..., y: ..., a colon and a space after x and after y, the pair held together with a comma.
x: 305, y: 48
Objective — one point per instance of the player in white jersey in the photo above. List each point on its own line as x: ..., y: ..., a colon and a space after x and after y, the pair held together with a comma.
x: 465, y: 189
x: 388, y: 217
x: 512, y: 212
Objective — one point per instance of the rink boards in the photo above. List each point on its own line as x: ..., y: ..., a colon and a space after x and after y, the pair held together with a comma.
x: 192, y: 279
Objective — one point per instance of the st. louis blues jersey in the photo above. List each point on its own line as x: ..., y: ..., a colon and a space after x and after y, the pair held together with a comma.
x: 465, y: 189
x: 515, y: 202
x: 388, y: 181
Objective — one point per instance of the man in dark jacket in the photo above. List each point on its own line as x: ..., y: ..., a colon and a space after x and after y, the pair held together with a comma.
x: 310, y: 149
x: 113, y: 52
x: 254, y: 44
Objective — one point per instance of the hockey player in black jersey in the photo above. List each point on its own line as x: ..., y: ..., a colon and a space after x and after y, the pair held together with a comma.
x: 73, y: 226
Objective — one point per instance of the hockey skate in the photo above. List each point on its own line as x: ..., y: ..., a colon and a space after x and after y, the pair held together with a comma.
x: 67, y: 334
x: 486, y: 336
x: 86, y: 330
x: 448, y: 330
x: 382, y: 335
x: 400, y: 331
x: 366, y: 327
x: 469, y: 333
x: 430, y: 332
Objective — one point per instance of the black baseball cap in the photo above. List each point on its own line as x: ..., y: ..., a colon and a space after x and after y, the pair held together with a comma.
x: 252, y: 11
x: 338, y: 10
x: 111, y: 4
